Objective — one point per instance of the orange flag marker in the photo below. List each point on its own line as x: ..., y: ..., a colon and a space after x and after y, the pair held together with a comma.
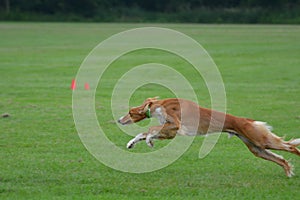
x: 73, y: 84
x: 86, y: 86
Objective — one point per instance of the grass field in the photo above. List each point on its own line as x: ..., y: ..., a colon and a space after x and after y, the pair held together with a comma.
x: 42, y: 156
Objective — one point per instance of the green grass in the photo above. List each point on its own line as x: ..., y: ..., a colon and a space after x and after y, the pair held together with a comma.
x: 42, y: 156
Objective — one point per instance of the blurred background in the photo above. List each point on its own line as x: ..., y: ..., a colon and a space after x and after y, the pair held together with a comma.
x: 178, y: 11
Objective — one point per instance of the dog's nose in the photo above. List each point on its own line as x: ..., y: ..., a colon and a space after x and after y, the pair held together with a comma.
x: 120, y: 120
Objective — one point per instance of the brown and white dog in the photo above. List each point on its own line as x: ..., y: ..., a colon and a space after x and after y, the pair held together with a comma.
x: 180, y: 116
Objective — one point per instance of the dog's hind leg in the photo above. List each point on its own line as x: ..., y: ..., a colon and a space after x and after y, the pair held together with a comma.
x: 280, y: 144
x: 293, y: 146
x: 290, y: 146
x: 268, y: 155
x: 260, y: 135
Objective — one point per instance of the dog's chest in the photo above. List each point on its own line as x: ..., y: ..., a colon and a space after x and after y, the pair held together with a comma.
x: 160, y: 115
x: 187, y: 131
x: 184, y: 130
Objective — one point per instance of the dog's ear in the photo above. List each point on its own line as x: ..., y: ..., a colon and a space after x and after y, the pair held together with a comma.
x: 154, y: 98
x: 147, y: 106
x: 151, y: 100
x: 147, y: 103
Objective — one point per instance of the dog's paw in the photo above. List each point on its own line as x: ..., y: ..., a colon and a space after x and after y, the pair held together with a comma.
x: 149, y: 141
x: 130, y: 144
x: 150, y: 144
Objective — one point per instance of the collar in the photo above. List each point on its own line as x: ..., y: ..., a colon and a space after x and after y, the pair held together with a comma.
x: 148, y: 113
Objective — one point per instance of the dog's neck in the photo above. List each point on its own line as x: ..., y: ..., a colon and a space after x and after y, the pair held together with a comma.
x: 148, y: 113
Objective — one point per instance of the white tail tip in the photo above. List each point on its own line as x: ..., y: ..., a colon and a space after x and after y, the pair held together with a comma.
x: 259, y: 123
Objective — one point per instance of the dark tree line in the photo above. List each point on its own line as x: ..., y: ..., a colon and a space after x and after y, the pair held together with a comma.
x: 149, y: 10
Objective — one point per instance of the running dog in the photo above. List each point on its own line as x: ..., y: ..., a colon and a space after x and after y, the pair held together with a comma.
x: 184, y: 117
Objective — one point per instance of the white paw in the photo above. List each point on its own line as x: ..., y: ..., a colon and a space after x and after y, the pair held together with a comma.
x: 149, y: 141
x: 130, y: 144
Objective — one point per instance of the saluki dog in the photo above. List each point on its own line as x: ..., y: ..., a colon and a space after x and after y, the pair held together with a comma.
x: 184, y: 117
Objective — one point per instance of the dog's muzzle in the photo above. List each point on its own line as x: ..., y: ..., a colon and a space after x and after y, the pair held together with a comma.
x: 124, y: 121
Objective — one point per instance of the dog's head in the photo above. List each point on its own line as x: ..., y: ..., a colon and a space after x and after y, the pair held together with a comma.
x: 139, y: 113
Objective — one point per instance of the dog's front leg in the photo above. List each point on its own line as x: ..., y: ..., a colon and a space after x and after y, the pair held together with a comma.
x: 138, y: 138
x: 152, y: 134
x: 149, y: 136
x: 166, y: 131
